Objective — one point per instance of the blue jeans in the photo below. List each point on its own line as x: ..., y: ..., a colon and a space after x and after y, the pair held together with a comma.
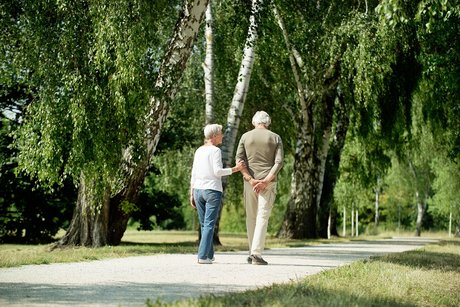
x: 208, y: 203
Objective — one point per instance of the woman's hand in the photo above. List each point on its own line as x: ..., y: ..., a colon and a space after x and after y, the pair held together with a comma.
x: 192, y: 201
x: 239, y: 166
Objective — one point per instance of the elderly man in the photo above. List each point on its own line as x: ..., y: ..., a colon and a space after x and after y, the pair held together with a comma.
x: 262, y: 152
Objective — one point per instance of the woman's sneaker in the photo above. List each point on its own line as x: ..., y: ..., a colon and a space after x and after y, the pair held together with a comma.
x: 257, y: 260
x: 204, y: 261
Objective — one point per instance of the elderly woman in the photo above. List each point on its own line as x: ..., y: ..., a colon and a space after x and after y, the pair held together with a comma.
x: 206, y: 188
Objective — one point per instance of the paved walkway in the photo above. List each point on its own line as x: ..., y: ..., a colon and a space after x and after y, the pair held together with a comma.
x: 130, y: 281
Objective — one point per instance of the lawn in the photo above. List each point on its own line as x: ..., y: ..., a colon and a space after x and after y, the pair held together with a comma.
x: 134, y: 243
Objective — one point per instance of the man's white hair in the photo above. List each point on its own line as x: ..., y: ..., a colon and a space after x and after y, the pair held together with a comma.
x: 261, y: 118
x: 211, y: 130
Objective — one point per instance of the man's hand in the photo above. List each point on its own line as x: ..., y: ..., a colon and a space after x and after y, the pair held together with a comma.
x: 258, y: 186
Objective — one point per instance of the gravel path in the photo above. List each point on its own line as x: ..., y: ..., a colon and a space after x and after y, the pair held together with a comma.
x: 130, y: 281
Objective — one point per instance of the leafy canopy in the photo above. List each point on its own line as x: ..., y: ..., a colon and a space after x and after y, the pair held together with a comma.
x: 90, y: 66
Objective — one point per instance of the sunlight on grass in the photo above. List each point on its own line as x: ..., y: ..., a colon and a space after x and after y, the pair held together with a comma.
x: 135, y: 243
x: 400, y: 279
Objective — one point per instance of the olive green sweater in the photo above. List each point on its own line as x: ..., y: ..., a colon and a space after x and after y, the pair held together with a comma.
x: 262, y: 151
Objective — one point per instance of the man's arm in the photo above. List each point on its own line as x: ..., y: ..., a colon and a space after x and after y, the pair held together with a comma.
x: 241, y: 156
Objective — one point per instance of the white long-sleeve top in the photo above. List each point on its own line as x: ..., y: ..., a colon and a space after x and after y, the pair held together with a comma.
x: 207, y: 169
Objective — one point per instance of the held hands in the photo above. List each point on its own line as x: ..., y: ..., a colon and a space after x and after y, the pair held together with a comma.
x: 258, y: 185
x: 239, y: 166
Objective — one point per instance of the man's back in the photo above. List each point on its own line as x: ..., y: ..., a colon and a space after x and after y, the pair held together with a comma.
x: 262, y: 150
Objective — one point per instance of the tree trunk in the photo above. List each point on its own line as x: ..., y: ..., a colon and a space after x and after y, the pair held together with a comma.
x: 334, y: 221
x: 457, y: 228
x: 420, y: 213
x: 208, y: 67
x: 300, y: 218
x: 242, y: 86
x: 331, y: 173
x: 357, y: 222
x: 315, y: 165
x: 376, y: 217
x: 97, y: 225
x: 352, y: 226
x: 239, y: 97
x: 89, y: 225
x: 294, y: 59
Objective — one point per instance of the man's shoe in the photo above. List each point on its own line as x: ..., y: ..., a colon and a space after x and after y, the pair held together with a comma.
x: 205, y: 261
x: 249, y: 259
x: 258, y: 260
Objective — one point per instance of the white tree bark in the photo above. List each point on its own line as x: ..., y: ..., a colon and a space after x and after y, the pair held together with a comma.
x: 376, y: 218
x: 242, y: 86
x: 326, y: 140
x: 344, y: 226
x: 357, y: 223
x: 172, y: 67
x: 208, y: 67
x: 420, y: 213
x: 294, y: 58
x: 317, y: 156
x: 352, y: 228
x: 108, y: 225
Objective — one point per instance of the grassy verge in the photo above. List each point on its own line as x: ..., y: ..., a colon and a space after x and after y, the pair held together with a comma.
x: 426, y: 277
x: 136, y: 243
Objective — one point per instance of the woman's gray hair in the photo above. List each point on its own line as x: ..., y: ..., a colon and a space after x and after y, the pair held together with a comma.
x: 261, y: 118
x: 211, y: 130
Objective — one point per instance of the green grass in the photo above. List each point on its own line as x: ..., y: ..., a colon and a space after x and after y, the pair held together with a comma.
x: 426, y: 277
x: 134, y: 243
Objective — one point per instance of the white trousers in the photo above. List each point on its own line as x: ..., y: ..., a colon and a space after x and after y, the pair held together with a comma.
x: 258, y: 210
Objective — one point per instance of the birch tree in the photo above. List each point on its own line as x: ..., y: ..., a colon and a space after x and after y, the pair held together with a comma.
x: 344, y: 87
x: 239, y: 97
x: 311, y: 151
x: 110, y: 177
x: 242, y: 85
x: 208, y: 66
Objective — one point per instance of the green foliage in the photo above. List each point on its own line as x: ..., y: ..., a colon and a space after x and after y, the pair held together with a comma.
x: 88, y: 69
x: 439, y: 87
x: 157, y: 210
x: 446, y: 188
x: 28, y: 214
x: 91, y: 66
x: 398, y: 200
x: 173, y: 180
